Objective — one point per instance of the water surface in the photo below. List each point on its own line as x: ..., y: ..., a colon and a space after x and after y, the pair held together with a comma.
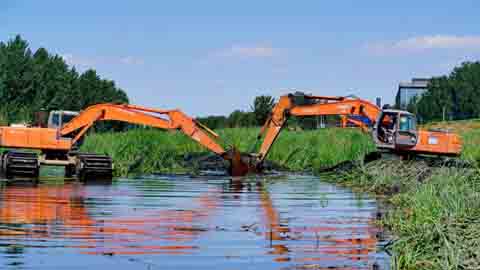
x: 182, y: 222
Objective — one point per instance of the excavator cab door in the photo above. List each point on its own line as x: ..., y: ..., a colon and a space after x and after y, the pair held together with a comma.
x: 384, y: 130
x: 406, y: 135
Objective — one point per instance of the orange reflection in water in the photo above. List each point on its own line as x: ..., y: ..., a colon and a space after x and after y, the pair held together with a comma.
x: 59, y: 212
x: 40, y: 206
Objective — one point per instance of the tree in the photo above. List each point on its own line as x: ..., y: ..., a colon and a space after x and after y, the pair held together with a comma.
x: 214, y: 122
x: 456, y: 96
x: 240, y: 118
x: 31, y: 82
x: 262, y: 107
x: 17, y: 77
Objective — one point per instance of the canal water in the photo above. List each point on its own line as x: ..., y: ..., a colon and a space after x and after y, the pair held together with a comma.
x: 183, y: 222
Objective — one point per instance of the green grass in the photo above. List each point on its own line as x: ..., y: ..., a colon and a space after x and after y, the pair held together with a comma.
x: 142, y: 150
x: 438, y: 223
x: 152, y: 151
x: 471, y: 146
x: 434, y: 212
x: 319, y: 149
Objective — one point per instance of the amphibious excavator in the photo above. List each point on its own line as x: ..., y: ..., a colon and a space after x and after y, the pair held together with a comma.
x: 56, y: 143
x: 392, y: 130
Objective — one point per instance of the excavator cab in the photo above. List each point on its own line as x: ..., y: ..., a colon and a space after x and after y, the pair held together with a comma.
x: 57, y: 119
x: 396, y: 129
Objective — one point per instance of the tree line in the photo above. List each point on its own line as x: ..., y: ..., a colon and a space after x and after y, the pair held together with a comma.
x: 256, y: 116
x: 454, y: 96
x: 35, y: 81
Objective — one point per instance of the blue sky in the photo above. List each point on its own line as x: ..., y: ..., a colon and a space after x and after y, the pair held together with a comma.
x: 211, y: 57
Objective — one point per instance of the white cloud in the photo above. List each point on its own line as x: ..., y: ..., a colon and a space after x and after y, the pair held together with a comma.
x: 74, y: 60
x: 256, y: 51
x: 81, y: 61
x: 131, y: 60
x: 422, y: 43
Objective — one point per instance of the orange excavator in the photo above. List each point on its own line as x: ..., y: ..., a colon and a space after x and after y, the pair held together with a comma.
x: 391, y: 130
x: 56, y: 145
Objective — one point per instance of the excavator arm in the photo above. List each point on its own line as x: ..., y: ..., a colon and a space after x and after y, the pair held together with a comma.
x: 352, y: 110
x: 164, y: 119
x: 177, y: 120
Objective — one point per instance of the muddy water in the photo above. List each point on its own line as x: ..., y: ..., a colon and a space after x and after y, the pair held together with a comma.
x: 179, y: 222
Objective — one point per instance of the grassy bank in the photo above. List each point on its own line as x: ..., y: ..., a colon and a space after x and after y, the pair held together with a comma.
x: 434, y: 213
x: 152, y: 151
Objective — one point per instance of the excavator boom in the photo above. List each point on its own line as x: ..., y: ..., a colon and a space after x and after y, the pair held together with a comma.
x: 177, y: 120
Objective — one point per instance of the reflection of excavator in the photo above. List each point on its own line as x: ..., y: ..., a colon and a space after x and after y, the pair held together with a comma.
x: 55, y: 144
x: 392, y: 130
x: 50, y: 212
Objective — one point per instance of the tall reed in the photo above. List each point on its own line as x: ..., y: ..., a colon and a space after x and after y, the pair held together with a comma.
x: 149, y: 151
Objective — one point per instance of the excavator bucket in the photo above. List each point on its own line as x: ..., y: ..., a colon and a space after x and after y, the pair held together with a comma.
x: 240, y: 164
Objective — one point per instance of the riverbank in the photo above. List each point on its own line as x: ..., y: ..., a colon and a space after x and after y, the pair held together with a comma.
x: 434, y: 212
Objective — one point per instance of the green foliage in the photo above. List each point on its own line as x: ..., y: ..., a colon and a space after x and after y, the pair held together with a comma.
x: 434, y: 212
x: 315, y: 150
x: 260, y: 110
x: 143, y: 150
x: 471, y: 151
x: 438, y: 222
x: 152, y: 151
x: 236, y: 119
x: 262, y: 107
x: 213, y: 121
x: 241, y: 119
x: 31, y: 82
x: 456, y: 96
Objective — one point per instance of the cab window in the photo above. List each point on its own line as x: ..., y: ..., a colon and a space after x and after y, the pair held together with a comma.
x: 407, y: 123
x: 55, y: 120
x: 66, y: 118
